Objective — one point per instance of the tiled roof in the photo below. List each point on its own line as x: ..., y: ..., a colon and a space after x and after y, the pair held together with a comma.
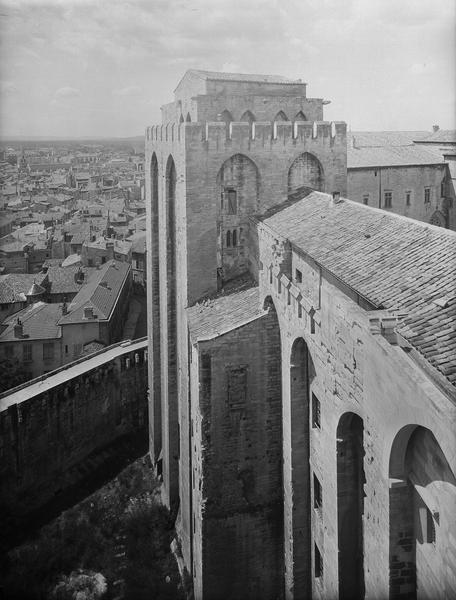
x: 385, y: 138
x: 219, y: 76
x: 62, y: 279
x: 14, y: 286
x: 391, y: 156
x: 214, y: 317
x: 394, y: 262
x: 445, y: 136
x: 39, y: 322
x: 100, y: 293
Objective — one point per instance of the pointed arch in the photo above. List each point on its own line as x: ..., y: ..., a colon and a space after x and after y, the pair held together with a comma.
x: 226, y: 117
x: 306, y: 171
x: 171, y: 451
x: 248, y: 117
x: 300, y: 116
x: 188, y: 119
x: 153, y: 281
x: 281, y: 116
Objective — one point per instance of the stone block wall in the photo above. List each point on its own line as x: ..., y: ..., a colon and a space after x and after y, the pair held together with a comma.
x: 237, y: 464
x: 51, y: 425
x: 360, y: 372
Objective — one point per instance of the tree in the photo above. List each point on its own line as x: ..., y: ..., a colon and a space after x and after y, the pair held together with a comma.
x: 11, y: 374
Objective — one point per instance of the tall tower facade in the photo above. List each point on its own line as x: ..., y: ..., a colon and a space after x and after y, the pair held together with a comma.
x: 230, y: 146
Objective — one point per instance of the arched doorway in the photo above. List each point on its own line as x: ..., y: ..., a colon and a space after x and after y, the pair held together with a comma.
x: 302, y: 373
x: 350, y: 506
x: 306, y: 171
x: 422, y: 522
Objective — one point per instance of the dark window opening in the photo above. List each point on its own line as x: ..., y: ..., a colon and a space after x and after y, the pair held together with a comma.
x: 388, y: 199
x: 318, y: 496
x: 408, y: 198
x: 318, y: 571
x: 427, y: 195
x: 228, y: 239
x: 366, y: 199
x: 442, y: 189
x: 235, y: 238
x: 316, y: 410
x: 298, y: 276
x: 231, y: 196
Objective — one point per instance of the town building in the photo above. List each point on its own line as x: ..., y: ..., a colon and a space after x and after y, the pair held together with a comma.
x: 303, y: 371
x: 402, y: 173
x: 43, y: 336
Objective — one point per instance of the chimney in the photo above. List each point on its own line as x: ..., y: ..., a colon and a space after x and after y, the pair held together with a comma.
x: 18, y: 329
x: 435, y: 128
x: 64, y: 309
x: 88, y: 312
x: 336, y: 197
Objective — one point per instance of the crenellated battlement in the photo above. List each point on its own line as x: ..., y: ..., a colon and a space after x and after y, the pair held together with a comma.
x: 219, y: 134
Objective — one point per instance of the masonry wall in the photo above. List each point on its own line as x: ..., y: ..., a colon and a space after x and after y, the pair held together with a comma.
x: 272, y: 150
x: 357, y: 370
x: 374, y: 182
x: 44, y: 436
x: 241, y: 468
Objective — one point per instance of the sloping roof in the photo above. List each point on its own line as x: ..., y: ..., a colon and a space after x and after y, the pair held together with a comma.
x: 445, y: 136
x: 214, y: 317
x: 220, y: 76
x: 385, y: 138
x: 39, y: 322
x: 14, y: 286
x: 138, y: 242
x: 391, y: 156
x: 100, y: 293
x: 394, y: 262
x: 62, y: 279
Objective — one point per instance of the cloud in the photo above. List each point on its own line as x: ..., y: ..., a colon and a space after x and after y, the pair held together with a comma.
x: 67, y: 92
x: 131, y: 90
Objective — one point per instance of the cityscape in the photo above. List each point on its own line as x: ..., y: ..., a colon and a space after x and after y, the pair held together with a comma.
x: 228, y: 344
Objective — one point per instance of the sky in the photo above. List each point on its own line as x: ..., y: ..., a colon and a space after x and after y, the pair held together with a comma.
x: 88, y: 68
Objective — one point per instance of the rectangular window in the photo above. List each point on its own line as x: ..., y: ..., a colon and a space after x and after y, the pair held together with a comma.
x: 27, y: 352
x: 442, y: 189
x: 231, y: 201
x: 48, y: 351
x: 366, y: 199
x: 388, y: 200
x: 427, y: 195
x: 408, y: 198
x: 298, y: 276
x: 318, y: 498
x: 318, y: 567
x: 316, y: 417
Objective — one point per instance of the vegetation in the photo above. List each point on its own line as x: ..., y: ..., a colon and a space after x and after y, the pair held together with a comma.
x: 116, y: 543
x: 11, y: 374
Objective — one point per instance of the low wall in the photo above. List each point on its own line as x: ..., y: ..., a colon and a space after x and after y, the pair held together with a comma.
x: 54, y: 422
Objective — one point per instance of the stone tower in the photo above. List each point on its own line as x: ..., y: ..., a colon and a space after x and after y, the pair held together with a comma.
x: 230, y: 146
